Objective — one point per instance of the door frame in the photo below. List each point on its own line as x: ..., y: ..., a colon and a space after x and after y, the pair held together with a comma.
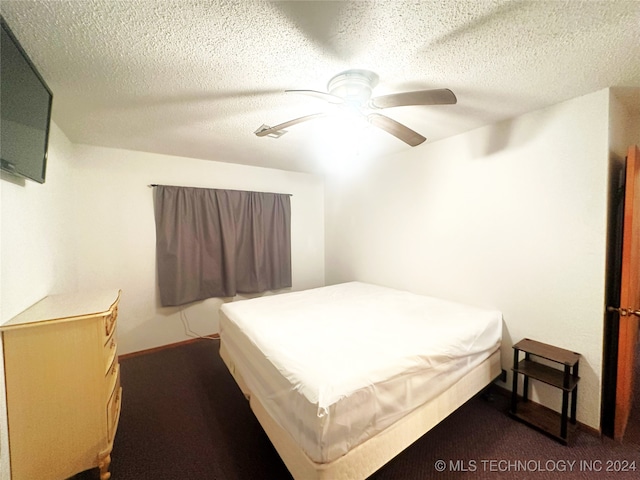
x: 613, y: 287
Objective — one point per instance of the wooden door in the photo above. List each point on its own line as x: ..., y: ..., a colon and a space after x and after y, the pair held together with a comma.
x: 629, y: 306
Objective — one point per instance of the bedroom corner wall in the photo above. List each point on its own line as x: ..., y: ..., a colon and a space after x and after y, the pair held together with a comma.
x: 510, y: 216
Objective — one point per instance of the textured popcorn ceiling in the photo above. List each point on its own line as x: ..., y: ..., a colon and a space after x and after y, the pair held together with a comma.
x: 195, y: 78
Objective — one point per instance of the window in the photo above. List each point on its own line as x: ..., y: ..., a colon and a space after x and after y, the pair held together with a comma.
x: 217, y: 243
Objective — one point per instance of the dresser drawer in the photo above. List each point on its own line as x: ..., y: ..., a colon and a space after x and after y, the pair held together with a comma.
x: 109, y: 350
x: 112, y: 378
x: 113, y: 409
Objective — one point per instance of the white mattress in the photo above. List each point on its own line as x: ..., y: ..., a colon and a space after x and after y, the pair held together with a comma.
x: 336, y: 365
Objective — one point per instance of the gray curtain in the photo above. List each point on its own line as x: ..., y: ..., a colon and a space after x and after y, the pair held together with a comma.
x: 216, y: 243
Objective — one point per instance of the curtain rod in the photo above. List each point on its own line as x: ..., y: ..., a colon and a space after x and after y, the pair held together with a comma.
x: 151, y: 185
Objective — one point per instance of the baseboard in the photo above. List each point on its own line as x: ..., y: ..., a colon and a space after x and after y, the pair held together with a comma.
x: 581, y: 426
x: 125, y: 356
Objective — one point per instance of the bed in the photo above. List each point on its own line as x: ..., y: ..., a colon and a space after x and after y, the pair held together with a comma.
x: 343, y: 378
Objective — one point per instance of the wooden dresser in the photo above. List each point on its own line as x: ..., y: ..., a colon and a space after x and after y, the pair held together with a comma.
x: 63, y: 385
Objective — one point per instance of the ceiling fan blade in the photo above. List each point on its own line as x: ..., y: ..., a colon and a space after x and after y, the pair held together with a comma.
x: 263, y: 132
x: 396, y: 129
x: 322, y: 95
x: 441, y: 96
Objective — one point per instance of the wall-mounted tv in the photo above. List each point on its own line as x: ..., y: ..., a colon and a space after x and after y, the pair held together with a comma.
x: 25, y: 111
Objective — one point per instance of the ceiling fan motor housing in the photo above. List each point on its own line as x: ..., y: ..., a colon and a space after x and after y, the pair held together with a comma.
x: 354, y: 86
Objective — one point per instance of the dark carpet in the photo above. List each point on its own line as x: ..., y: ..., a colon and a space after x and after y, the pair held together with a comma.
x: 183, y: 417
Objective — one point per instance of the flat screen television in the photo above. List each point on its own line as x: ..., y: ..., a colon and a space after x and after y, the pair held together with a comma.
x: 25, y: 111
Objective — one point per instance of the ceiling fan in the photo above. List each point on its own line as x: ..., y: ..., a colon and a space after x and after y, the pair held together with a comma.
x: 352, y: 90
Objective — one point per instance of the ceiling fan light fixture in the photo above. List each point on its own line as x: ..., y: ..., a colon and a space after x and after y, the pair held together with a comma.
x: 354, y: 86
x: 351, y: 92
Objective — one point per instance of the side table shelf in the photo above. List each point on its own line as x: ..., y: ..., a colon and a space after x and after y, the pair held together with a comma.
x: 566, y: 379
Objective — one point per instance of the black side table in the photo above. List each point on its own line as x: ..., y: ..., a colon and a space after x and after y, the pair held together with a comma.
x: 565, y: 378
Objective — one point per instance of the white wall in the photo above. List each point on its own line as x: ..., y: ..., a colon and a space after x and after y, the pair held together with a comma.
x: 510, y: 216
x: 36, y: 246
x: 116, y: 230
x: 624, y: 125
x: 91, y: 226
